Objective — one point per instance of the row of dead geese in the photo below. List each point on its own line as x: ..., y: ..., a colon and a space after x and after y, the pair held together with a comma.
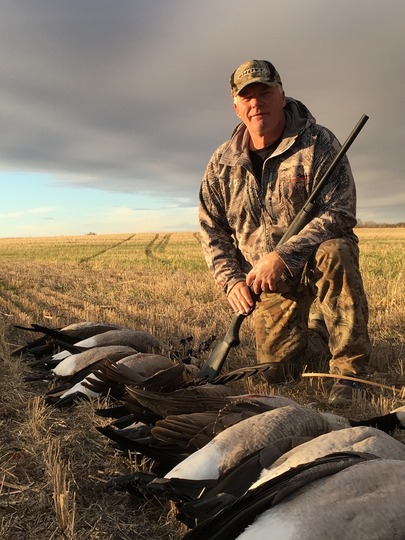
x: 236, y: 466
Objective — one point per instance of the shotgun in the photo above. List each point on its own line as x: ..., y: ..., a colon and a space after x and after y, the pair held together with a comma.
x: 212, y: 367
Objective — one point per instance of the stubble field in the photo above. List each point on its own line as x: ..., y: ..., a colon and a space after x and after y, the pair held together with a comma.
x: 54, y: 463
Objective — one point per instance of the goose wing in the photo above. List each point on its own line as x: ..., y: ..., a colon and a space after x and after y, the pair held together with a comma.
x: 233, y: 520
x: 203, y: 398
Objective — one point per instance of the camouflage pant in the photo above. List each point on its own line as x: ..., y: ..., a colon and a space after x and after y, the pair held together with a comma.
x: 281, y: 319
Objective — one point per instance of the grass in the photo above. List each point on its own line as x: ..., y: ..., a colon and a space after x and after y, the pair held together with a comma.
x: 54, y: 463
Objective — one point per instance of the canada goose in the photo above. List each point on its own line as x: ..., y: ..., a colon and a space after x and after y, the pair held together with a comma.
x: 137, y: 368
x: 132, y: 436
x: 356, y: 439
x: 356, y: 497
x: 209, y: 499
x: 70, y: 334
x: 159, y: 445
x: 194, y: 430
x: 181, y: 375
x: 75, y: 367
x: 166, y: 376
x: 140, y: 366
x: 249, y: 435
x: 362, y: 439
x: 182, y: 490
x: 77, y: 362
x: 138, y: 340
x: 137, y: 438
x: 166, y: 388
x: 387, y: 422
x: 136, y: 403
x: 172, y: 437
x: 238, y: 441
x: 202, y: 398
x: 192, y: 475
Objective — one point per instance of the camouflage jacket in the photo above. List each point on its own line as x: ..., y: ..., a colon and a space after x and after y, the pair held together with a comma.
x: 242, y: 219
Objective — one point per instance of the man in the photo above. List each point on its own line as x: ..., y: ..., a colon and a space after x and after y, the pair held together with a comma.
x: 254, y: 186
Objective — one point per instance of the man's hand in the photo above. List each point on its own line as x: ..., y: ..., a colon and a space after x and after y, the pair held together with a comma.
x: 266, y: 272
x: 240, y: 298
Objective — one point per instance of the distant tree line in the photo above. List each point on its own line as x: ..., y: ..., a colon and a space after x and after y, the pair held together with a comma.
x: 374, y: 224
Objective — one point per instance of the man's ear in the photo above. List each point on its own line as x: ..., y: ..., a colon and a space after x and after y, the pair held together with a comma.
x: 235, y: 107
x: 284, y: 99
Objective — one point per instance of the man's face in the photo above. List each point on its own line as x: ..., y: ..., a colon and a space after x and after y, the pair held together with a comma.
x: 261, y: 108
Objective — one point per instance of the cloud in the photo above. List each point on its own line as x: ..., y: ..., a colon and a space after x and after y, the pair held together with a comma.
x: 133, y: 96
x: 25, y: 212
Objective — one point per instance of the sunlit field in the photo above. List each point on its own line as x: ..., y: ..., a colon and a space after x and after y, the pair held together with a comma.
x: 53, y: 462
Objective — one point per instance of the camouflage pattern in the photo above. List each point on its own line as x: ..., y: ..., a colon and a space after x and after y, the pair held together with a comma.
x: 254, y: 71
x: 332, y: 276
x: 242, y: 219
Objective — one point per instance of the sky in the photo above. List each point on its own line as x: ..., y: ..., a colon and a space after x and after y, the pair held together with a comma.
x: 111, y: 109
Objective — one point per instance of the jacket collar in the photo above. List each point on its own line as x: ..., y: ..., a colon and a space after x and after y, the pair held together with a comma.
x: 298, y: 119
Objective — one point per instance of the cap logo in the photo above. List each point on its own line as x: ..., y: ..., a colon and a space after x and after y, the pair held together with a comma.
x: 252, y: 71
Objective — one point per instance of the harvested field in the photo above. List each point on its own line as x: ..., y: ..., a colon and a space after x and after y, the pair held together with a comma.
x: 54, y: 463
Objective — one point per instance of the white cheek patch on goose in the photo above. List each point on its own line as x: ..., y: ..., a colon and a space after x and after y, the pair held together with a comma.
x: 198, y: 466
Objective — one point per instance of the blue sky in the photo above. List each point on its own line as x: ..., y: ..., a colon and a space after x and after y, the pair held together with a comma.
x: 110, y: 111
x: 36, y: 205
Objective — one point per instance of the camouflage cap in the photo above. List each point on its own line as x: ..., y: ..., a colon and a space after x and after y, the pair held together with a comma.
x: 254, y: 71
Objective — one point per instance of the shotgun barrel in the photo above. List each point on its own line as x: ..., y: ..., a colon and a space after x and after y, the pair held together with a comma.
x: 306, y: 213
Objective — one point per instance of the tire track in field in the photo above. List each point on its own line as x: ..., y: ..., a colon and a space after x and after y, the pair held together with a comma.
x: 90, y: 257
x: 157, y: 247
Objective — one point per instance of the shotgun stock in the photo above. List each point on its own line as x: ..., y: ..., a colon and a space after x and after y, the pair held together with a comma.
x: 212, y: 367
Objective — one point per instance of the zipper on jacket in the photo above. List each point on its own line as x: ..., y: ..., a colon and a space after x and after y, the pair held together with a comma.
x: 268, y: 188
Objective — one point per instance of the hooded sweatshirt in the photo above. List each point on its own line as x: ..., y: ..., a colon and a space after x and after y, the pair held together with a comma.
x: 243, y: 218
